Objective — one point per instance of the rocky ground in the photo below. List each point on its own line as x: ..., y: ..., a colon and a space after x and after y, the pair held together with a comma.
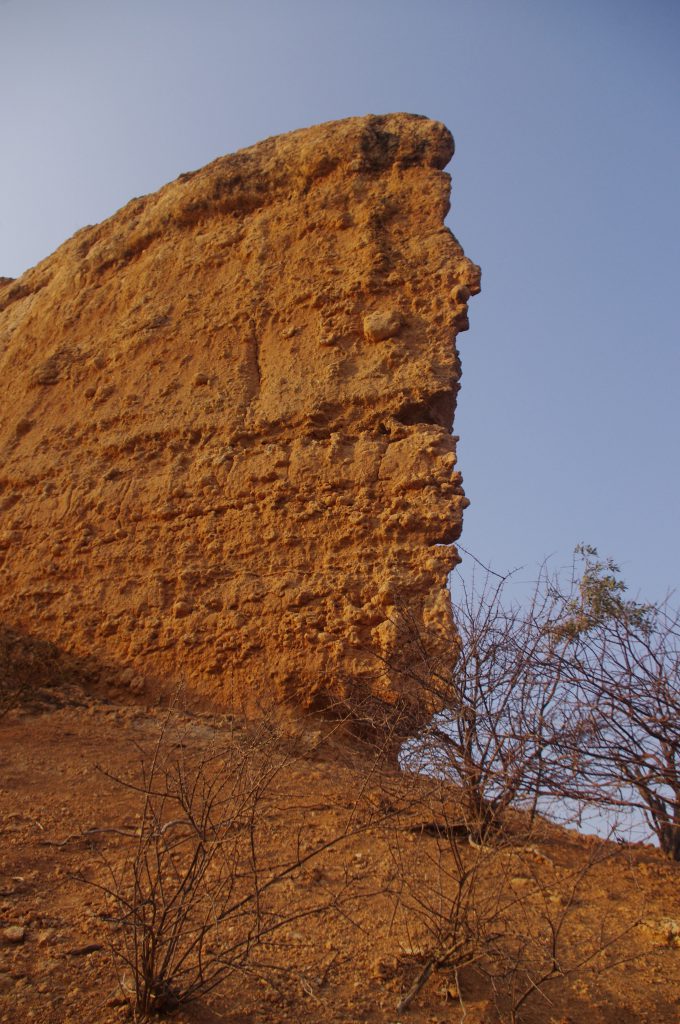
x: 68, y: 822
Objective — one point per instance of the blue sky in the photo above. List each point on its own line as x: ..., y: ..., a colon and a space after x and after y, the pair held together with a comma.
x: 566, y: 188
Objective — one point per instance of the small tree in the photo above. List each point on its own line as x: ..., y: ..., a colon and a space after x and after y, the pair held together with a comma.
x: 500, y: 707
x: 572, y: 696
x: 624, y: 731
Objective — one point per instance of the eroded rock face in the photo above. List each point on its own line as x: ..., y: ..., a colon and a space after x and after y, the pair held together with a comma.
x: 225, y: 421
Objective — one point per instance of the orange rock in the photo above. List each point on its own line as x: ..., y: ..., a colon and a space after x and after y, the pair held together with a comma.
x: 225, y: 422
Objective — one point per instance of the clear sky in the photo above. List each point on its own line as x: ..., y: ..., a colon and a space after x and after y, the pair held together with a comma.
x: 566, y: 189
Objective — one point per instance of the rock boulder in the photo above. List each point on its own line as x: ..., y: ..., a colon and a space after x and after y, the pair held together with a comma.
x: 225, y: 423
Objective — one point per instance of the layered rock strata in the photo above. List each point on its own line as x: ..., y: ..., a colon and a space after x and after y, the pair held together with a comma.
x: 225, y: 421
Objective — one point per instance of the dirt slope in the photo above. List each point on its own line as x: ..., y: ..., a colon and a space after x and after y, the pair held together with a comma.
x: 63, y: 821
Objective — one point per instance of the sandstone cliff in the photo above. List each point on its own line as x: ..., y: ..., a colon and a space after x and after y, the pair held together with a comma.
x: 225, y: 421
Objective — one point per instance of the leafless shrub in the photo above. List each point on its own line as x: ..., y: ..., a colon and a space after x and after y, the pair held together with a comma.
x: 499, y: 708
x: 196, y: 895
x: 499, y: 911
x: 442, y: 900
x: 541, y: 942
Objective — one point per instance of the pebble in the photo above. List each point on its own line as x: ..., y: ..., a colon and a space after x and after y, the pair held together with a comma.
x: 15, y: 933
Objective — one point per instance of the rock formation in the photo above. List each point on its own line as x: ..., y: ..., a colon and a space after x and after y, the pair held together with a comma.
x: 225, y: 422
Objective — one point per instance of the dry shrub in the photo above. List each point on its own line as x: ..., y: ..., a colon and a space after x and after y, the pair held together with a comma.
x: 495, y: 916
x: 197, y: 894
